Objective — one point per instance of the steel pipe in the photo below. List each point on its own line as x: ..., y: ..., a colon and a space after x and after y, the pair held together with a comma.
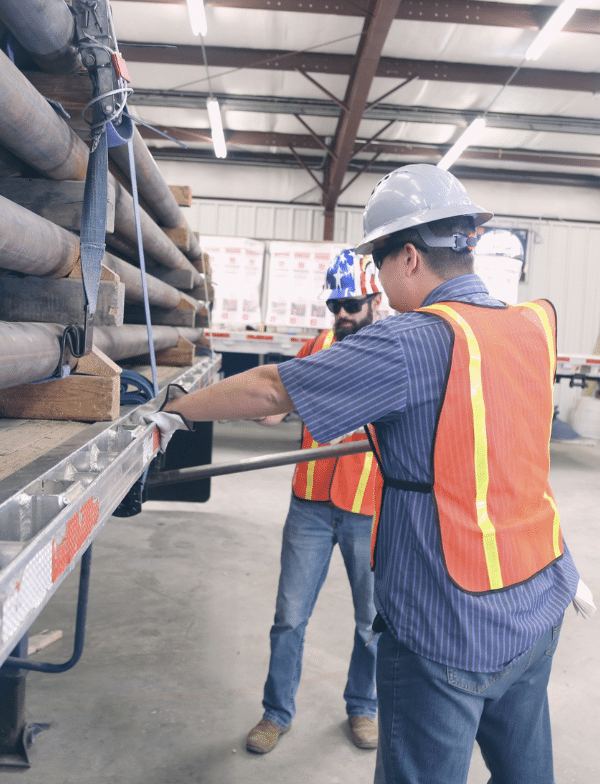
x: 196, y: 473
x: 193, y: 334
x: 46, y: 29
x: 131, y: 340
x: 159, y: 294
x: 156, y: 243
x: 31, y: 244
x: 34, y: 245
x: 31, y: 352
x: 28, y: 352
x: 151, y: 185
x: 31, y: 130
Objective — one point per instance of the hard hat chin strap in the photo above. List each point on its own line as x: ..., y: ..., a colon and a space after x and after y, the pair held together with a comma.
x: 457, y: 242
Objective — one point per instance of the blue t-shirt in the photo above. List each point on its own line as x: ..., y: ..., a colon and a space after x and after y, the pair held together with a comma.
x: 392, y: 374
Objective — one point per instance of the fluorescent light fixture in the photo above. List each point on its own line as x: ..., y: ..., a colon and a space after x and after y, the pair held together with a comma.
x: 218, y: 137
x: 470, y: 135
x: 551, y: 29
x: 197, y: 17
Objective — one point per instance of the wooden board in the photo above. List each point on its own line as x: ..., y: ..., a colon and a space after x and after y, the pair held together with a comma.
x: 59, y: 301
x: 75, y: 398
x: 182, y: 194
x: 174, y: 317
x: 59, y: 202
x: 179, y: 278
x: 181, y: 355
x: 179, y: 236
x: 42, y: 640
x: 22, y: 441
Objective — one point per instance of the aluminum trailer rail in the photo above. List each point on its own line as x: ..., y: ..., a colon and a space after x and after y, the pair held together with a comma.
x: 52, y: 509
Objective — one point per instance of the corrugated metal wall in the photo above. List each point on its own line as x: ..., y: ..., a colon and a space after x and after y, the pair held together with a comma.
x: 563, y: 259
x: 273, y: 221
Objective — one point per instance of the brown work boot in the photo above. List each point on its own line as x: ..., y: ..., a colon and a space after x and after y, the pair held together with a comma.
x: 264, y: 736
x: 363, y: 731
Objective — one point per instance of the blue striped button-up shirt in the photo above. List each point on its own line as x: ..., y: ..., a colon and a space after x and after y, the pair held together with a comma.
x: 392, y: 373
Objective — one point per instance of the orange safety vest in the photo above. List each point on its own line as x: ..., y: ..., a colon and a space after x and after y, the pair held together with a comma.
x: 498, y: 521
x: 347, y: 482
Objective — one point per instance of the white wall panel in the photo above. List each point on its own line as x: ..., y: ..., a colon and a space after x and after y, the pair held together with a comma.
x: 272, y: 221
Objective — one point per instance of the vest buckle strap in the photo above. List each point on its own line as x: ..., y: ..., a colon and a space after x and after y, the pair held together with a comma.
x: 403, y: 484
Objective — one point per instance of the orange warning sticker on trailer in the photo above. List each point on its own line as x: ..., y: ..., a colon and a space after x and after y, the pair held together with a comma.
x: 78, y: 528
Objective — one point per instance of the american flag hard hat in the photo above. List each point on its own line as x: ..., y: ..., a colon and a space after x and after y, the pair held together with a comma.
x: 350, y: 275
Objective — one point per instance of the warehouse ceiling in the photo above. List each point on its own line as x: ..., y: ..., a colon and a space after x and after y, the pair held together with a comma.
x: 340, y: 87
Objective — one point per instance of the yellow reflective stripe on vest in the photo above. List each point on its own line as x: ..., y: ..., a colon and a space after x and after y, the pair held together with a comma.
x: 362, y: 482
x: 310, y: 468
x: 555, y: 527
x: 543, y: 317
x: 482, y: 477
x: 310, y: 475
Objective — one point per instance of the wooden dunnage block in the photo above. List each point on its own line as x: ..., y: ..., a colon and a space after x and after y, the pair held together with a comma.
x: 77, y: 398
x: 181, y: 355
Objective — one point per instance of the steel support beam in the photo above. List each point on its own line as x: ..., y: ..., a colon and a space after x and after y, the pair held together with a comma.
x: 452, y: 11
x: 283, y: 161
x: 375, y: 31
x: 379, y: 147
x: 385, y: 112
x: 341, y: 64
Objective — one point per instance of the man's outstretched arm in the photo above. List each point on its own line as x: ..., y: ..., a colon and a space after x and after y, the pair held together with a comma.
x: 256, y: 393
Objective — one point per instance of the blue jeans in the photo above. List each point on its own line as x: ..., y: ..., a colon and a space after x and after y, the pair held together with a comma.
x: 311, y: 530
x: 430, y: 716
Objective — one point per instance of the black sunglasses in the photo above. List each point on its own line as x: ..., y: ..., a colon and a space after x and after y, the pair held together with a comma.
x: 378, y: 255
x: 350, y: 305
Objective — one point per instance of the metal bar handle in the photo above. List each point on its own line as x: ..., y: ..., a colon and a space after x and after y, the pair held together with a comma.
x: 195, y: 473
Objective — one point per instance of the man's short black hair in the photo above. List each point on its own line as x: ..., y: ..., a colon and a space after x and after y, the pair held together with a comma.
x: 445, y: 262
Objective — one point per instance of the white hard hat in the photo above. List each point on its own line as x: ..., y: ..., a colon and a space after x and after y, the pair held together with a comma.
x: 413, y: 195
x: 350, y: 275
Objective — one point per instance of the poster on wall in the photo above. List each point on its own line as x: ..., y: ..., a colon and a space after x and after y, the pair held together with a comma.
x: 296, y: 277
x: 237, y: 268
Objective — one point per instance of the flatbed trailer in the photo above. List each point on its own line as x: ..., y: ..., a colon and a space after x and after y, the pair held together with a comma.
x: 51, y: 510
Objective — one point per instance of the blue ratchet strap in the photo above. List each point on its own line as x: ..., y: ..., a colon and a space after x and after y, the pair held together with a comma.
x: 144, y: 389
x: 132, y: 503
x: 93, y: 229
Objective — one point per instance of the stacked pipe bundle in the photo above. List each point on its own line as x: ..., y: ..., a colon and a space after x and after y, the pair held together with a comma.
x: 36, y: 141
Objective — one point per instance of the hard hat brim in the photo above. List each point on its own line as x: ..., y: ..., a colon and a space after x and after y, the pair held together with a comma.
x: 377, y: 237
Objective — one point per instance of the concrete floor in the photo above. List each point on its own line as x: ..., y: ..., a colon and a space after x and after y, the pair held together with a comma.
x: 182, y: 598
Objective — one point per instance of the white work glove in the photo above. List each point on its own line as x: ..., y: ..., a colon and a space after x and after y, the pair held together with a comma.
x: 167, y: 422
x: 584, y: 601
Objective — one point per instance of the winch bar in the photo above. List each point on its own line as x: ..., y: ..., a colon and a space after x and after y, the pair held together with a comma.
x: 253, y: 463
